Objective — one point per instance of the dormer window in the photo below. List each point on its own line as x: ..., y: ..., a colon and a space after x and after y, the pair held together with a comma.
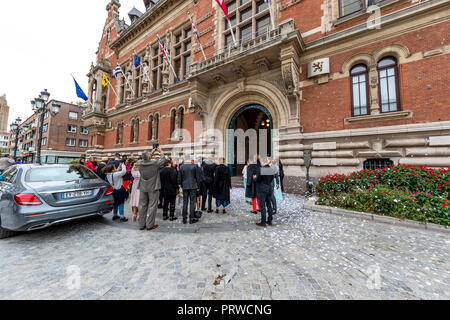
x: 134, y: 15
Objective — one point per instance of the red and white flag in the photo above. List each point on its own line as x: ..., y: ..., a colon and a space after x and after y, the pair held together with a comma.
x: 222, y: 4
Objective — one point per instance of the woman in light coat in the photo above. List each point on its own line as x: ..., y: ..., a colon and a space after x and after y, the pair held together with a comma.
x: 135, y: 193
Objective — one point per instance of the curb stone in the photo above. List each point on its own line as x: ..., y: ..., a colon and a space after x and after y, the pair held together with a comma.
x: 311, y: 205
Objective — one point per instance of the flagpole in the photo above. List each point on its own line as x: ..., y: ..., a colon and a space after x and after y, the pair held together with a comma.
x: 271, y: 15
x: 232, y: 32
x: 112, y: 88
x: 201, y: 47
x: 168, y: 60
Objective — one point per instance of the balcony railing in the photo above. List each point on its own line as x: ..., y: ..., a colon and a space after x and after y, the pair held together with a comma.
x: 259, y: 39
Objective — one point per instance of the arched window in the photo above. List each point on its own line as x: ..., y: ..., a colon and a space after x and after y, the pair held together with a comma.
x: 389, y: 88
x: 360, y: 90
x: 173, y: 121
x: 156, y: 127
x: 119, y: 136
x: 150, y: 128
x: 134, y: 137
x: 181, y: 119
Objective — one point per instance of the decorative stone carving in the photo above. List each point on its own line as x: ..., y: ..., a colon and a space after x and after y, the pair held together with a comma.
x: 220, y: 80
x: 145, y: 78
x: 239, y: 72
x: 263, y: 64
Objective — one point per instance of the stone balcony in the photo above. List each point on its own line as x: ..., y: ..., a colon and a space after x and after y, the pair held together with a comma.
x: 233, y: 59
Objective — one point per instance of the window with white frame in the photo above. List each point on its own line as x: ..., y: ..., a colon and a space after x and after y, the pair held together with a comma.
x: 72, y: 128
x: 71, y: 142
x: 84, y: 130
x: 73, y: 115
x: 45, y: 127
x: 44, y: 142
x: 84, y: 143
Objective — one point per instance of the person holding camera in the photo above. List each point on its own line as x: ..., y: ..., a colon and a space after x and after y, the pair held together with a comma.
x: 149, y: 187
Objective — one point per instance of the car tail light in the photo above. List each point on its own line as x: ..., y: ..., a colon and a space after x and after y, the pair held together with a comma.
x: 109, y: 191
x: 25, y: 199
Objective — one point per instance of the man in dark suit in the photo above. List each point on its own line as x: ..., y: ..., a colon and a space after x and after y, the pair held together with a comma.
x: 264, y: 187
x: 149, y: 186
x: 189, y: 180
x: 209, y: 167
x: 169, y: 190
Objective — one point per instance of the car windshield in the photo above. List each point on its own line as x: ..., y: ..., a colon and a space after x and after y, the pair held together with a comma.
x: 72, y: 173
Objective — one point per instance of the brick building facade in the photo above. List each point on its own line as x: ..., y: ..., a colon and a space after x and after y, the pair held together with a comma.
x: 64, y: 137
x: 358, y: 83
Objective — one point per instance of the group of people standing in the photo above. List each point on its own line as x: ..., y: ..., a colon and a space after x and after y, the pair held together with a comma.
x: 156, y: 181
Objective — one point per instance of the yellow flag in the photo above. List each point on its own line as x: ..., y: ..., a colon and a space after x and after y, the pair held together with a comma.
x: 105, y: 80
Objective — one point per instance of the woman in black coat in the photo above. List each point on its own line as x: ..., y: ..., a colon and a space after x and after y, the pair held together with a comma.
x: 250, y: 192
x: 222, y: 186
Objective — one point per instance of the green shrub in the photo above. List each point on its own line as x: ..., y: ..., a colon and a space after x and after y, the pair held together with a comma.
x: 405, y: 192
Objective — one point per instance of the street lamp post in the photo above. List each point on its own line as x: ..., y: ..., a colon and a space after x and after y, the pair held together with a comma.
x: 15, y: 128
x: 41, y: 106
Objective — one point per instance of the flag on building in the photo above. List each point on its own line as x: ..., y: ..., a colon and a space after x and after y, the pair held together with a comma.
x: 137, y: 60
x: 222, y: 4
x: 161, y: 46
x: 117, y: 71
x: 105, y: 80
x: 197, y: 36
x: 80, y: 92
x: 195, y: 30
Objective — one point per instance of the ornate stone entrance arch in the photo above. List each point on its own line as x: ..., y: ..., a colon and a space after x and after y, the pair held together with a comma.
x: 257, y: 93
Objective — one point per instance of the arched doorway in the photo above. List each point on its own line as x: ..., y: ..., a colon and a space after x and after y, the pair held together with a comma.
x: 250, y: 132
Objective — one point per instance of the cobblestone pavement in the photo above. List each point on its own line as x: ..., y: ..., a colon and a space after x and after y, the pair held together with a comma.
x: 307, y: 255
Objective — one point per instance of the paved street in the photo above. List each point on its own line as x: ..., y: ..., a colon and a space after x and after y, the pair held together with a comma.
x: 306, y: 256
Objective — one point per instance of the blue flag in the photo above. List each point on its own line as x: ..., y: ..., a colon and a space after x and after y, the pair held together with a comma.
x: 137, y: 61
x: 80, y: 92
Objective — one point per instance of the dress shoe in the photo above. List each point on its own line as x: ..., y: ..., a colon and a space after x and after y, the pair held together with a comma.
x: 210, y: 211
x: 204, y: 209
x: 263, y: 225
x: 270, y: 224
x: 173, y: 219
x: 123, y: 219
x: 193, y: 221
x: 143, y: 228
x: 184, y: 221
x: 153, y: 228
x: 255, y: 212
x: 166, y: 218
x: 115, y: 218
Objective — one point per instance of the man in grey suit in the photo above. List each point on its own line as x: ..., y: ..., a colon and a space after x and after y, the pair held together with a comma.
x: 189, y: 180
x: 149, y: 186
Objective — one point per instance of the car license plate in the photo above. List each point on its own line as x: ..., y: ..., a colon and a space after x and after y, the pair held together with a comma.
x: 77, y: 194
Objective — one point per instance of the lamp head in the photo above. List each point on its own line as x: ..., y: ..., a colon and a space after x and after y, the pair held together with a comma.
x: 45, y: 95
x: 56, y: 107
x: 39, y: 103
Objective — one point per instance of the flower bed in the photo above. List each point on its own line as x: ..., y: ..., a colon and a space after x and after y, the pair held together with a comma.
x: 407, y: 192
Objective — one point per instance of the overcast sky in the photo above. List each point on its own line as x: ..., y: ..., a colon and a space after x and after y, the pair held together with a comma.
x: 42, y: 42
